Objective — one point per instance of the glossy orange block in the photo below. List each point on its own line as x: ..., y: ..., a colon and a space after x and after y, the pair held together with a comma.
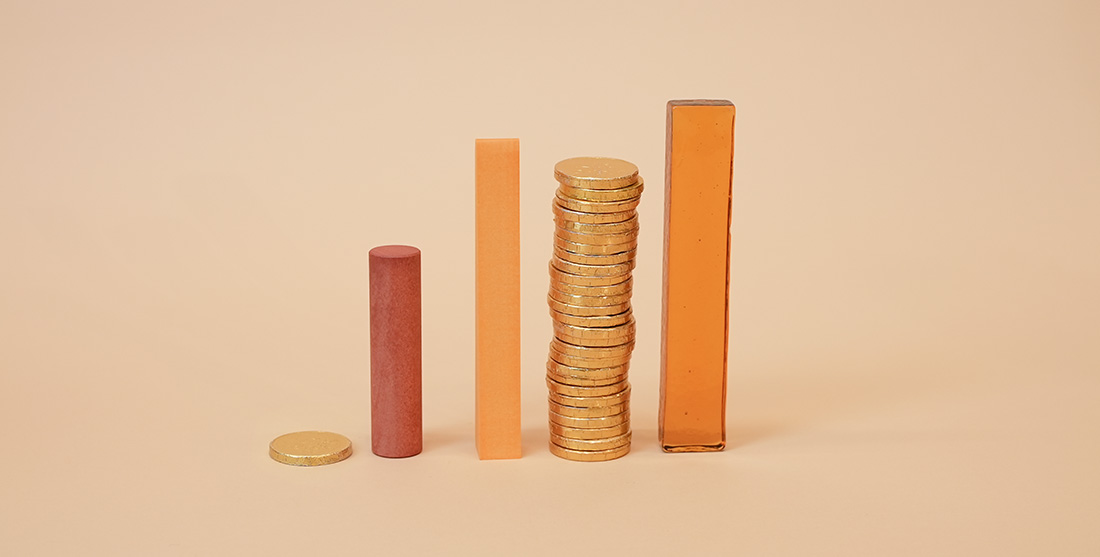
x: 695, y: 302
x: 497, y: 406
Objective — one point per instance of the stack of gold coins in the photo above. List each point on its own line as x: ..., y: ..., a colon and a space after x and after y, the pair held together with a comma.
x: 590, y: 286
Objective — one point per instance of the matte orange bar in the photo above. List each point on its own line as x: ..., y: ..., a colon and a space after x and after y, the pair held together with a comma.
x: 695, y: 302
x: 496, y: 177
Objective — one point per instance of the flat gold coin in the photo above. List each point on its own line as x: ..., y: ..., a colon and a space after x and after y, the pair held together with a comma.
x: 589, y: 352
x: 624, y: 287
x: 585, y: 239
x: 571, y: 375
x: 567, y: 214
x: 584, y: 311
x: 597, y: 228
x: 310, y: 448
x: 632, y: 191
x: 582, y: 380
x: 558, y: 387
x: 590, y: 248
x: 590, y: 444
x: 589, y: 411
x: 607, y: 336
x: 589, y: 456
x: 585, y: 259
x: 606, y: 362
x: 592, y: 270
x: 590, y: 301
x: 561, y: 276
x: 596, y: 206
x: 596, y: 172
x: 593, y: 342
x: 590, y: 423
x: 589, y: 433
x: 615, y: 399
x: 592, y: 321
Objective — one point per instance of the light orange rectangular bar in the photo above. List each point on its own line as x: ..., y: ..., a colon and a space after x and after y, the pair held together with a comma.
x: 695, y: 302
x: 497, y: 383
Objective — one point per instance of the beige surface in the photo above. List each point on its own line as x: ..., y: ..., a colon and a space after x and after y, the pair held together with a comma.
x: 188, y: 192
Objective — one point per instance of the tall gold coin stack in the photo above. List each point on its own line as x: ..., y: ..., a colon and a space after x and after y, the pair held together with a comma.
x: 590, y: 286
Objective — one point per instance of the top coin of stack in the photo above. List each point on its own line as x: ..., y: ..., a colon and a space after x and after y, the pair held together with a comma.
x: 595, y: 241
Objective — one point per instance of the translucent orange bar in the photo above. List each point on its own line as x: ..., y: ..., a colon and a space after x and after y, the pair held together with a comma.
x: 497, y: 383
x: 695, y: 308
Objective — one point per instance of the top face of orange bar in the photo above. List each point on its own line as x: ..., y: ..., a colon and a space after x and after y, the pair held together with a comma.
x: 696, y: 282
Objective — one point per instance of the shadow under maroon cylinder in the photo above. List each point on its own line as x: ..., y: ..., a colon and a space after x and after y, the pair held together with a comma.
x: 395, y: 359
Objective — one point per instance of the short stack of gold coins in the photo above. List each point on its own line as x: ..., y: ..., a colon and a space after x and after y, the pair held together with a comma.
x: 595, y: 241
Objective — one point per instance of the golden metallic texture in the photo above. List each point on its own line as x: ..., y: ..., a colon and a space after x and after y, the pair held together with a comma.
x: 581, y: 280
x: 585, y: 239
x: 630, y: 192
x: 589, y: 301
x: 562, y: 388
x: 592, y: 321
x: 596, y: 172
x: 601, y: 228
x: 589, y: 423
x: 310, y: 448
x: 595, y: 380
x: 589, y: 433
x: 590, y: 444
x: 565, y: 373
x: 583, y: 290
x: 585, y: 259
x: 585, y: 311
x: 624, y: 331
x: 591, y: 270
x: 596, y: 206
x: 566, y: 214
x: 589, y: 456
x: 614, y: 399
x: 594, y: 249
x: 588, y: 411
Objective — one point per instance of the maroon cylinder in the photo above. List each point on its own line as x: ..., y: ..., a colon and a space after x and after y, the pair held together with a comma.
x: 395, y: 393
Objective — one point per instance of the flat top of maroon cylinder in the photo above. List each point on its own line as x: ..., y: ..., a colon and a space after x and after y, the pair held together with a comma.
x: 395, y: 252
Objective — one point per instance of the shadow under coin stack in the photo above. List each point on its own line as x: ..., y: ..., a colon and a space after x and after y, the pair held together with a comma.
x: 595, y: 242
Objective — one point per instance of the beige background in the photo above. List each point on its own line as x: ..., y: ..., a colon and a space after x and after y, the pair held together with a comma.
x: 188, y: 191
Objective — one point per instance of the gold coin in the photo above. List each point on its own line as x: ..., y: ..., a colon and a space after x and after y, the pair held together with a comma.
x: 591, y: 270
x: 585, y: 239
x: 600, y: 377
x: 590, y: 423
x: 589, y: 456
x: 589, y: 411
x: 591, y: 353
x: 597, y: 228
x: 593, y: 249
x: 592, y: 321
x: 619, y: 289
x: 616, y: 399
x: 585, y: 311
x: 583, y: 280
x: 590, y: 301
x: 310, y: 448
x: 583, y: 259
x: 589, y: 433
x: 589, y: 363
x: 593, y: 342
x: 566, y: 214
x: 624, y: 331
x: 596, y: 172
x: 590, y: 444
x: 560, y: 388
x: 632, y: 191
x: 597, y: 206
